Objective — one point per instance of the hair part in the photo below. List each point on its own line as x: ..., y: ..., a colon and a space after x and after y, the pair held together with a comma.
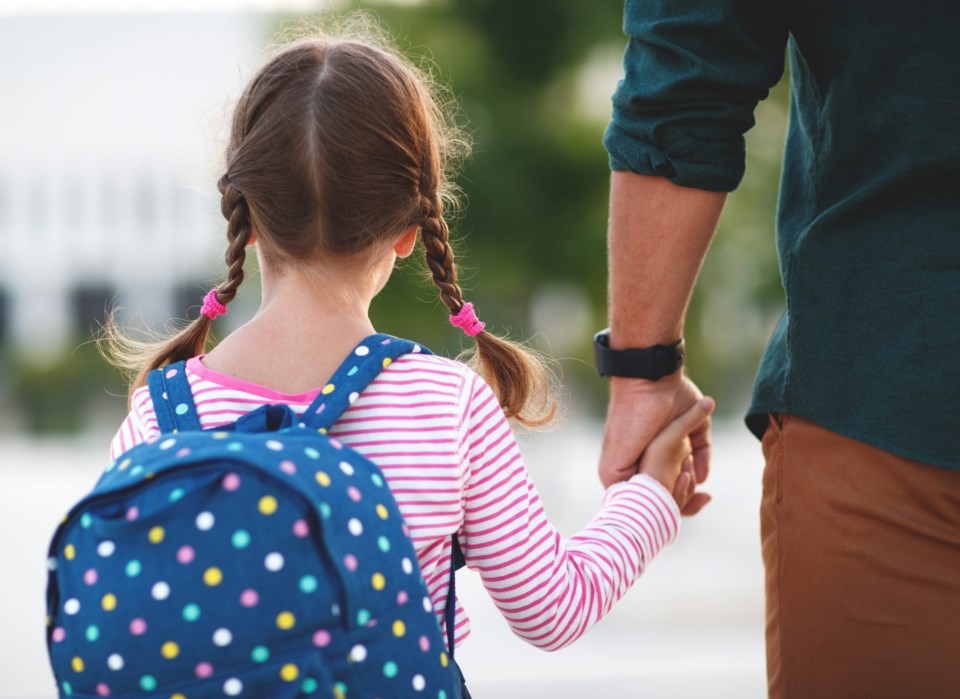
x: 337, y: 145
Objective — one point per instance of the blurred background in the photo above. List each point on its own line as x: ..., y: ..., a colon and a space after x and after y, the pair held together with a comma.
x: 111, y: 131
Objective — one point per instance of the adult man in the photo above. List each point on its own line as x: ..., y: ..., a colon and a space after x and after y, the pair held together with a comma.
x: 855, y: 397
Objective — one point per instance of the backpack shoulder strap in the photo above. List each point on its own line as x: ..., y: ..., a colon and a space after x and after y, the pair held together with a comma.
x: 362, y: 365
x: 172, y: 399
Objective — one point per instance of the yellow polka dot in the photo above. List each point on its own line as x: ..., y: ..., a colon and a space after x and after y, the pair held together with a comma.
x: 322, y: 430
x: 77, y: 664
x: 322, y: 478
x: 156, y: 535
x: 289, y: 672
x: 337, y: 692
x: 177, y: 696
x: 387, y: 362
x: 267, y: 505
x: 328, y: 389
x: 382, y: 511
x: 220, y: 435
x: 169, y: 650
x: 149, y: 475
x: 286, y: 621
x: 399, y: 628
x: 443, y: 659
x: 49, y: 621
x: 378, y: 581
x: 70, y: 552
x: 109, y: 602
x: 123, y: 465
x: 63, y: 520
x: 212, y: 576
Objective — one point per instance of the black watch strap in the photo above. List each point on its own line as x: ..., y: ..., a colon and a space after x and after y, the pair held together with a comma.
x: 651, y: 363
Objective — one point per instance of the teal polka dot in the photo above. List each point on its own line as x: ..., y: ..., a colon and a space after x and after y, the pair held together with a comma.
x: 363, y: 617
x: 260, y: 654
x: 176, y: 494
x: 352, y: 371
x: 235, y: 446
x: 377, y: 480
x: 67, y: 689
x: 191, y: 612
x: 441, y: 695
x: 308, y: 584
x: 136, y: 471
x: 148, y: 683
x: 240, y: 539
x: 312, y: 453
x: 390, y: 669
x: 309, y: 686
x: 383, y: 543
x: 325, y: 511
x: 93, y: 633
x: 341, y: 688
x: 86, y: 520
x: 133, y: 568
x: 182, y: 409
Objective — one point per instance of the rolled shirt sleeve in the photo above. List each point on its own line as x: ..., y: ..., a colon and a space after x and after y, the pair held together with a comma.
x: 694, y: 71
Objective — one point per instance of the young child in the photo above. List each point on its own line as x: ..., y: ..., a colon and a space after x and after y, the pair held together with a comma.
x: 337, y: 163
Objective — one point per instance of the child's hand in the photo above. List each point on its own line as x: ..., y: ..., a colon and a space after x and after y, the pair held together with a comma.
x: 669, y: 457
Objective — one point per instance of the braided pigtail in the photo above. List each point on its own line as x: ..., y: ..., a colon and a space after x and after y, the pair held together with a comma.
x: 519, y: 378
x: 139, y: 357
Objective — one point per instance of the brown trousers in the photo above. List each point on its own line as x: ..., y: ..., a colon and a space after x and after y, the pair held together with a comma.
x: 862, y: 556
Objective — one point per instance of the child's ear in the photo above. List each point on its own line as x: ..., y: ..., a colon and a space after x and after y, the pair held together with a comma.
x: 406, y: 242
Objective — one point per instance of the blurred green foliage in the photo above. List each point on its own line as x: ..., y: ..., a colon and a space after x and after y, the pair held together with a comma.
x: 533, y: 79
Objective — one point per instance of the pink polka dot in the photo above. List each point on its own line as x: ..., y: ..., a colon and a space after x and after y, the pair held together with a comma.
x: 133, y: 513
x: 424, y: 644
x: 405, y: 529
x: 249, y: 598
x: 186, y: 554
x: 90, y: 577
x: 335, y: 444
x: 231, y: 482
x: 58, y: 634
x: 350, y: 562
x: 203, y: 670
x: 301, y: 528
x: 103, y: 690
x: 354, y: 494
x: 321, y: 639
x: 183, y: 452
x: 138, y: 627
x: 171, y: 373
x: 288, y: 467
x: 402, y: 597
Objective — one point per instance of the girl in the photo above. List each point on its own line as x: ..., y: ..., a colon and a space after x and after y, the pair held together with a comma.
x: 337, y: 163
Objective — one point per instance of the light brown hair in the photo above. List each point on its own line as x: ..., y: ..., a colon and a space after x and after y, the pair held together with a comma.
x: 337, y: 145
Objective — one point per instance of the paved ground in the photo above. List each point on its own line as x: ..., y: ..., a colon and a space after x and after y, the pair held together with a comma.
x: 693, y: 625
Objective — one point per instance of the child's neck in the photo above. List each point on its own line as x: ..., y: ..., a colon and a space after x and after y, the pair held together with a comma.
x: 307, y: 323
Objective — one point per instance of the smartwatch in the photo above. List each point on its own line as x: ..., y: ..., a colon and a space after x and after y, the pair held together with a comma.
x: 652, y: 363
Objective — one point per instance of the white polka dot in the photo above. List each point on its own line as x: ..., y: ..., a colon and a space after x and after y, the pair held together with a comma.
x: 362, y: 351
x: 160, y: 590
x: 427, y: 604
x: 71, y: 606
x: 51, y: 564
x: 353, y: 396
x: 273, y: 445
x: 419, y: 683
x: 222, y: 637
x: 355, y: 526
x: 407, y: 566
x: 357, y: 654
x: 335, y: 610
x: 346, y: 468
x: 273, y: 562
x: 205, y: 521
x: 167, y: 443
x: 232, y: 687
x: 417, y: 349
x: 106, y: 548
x: 115, y: 662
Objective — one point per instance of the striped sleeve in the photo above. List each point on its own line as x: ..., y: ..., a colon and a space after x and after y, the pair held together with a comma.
x: 139, y: 425
x: 550, y: 589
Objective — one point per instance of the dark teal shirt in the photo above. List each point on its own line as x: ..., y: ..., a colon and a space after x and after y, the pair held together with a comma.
x: 868, y: 226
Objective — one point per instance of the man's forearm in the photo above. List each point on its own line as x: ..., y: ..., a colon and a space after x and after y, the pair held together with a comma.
x: 659, y: 233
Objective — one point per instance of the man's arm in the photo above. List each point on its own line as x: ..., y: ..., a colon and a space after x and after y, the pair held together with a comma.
x: 658, y: 236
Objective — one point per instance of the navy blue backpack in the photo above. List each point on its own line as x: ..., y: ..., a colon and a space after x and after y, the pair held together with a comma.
x: 264, y: 560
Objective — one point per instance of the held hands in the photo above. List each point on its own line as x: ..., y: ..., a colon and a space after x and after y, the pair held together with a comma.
x: 665, y: 422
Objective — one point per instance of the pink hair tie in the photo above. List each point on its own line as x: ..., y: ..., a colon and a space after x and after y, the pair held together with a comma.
x: 211, y: 305
x: 466, y: 319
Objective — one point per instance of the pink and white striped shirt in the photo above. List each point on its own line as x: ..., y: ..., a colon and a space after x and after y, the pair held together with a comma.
x: 438, y: 434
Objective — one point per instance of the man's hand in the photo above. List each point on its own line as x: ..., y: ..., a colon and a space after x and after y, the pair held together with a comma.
x: 637, y: 412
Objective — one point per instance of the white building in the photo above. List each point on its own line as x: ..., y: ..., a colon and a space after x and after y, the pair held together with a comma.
x: 111, y: 134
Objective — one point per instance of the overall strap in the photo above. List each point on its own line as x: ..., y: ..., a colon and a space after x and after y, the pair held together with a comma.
x: 172, y: 399
x: 362, y: 365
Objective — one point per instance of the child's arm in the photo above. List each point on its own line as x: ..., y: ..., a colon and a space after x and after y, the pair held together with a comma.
x: 551, y: 589
x: 139, y: 425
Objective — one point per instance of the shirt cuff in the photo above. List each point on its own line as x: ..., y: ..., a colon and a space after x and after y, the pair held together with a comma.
x: 644, y: 501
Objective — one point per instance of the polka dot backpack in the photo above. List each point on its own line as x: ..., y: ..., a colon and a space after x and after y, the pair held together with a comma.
x: 264, y: 560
